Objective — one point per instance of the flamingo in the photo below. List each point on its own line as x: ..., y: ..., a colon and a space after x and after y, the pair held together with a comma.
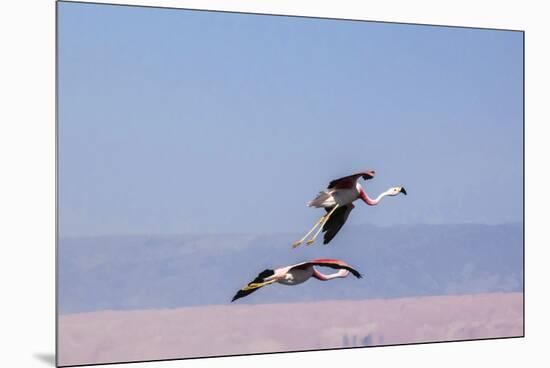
x: 338, y: 200
x: 297, y: 274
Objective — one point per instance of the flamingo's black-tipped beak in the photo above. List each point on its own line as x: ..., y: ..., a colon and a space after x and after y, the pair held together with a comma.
x: 403, y: 191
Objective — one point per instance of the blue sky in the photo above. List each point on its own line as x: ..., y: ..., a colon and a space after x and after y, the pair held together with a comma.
x: 174, y: 121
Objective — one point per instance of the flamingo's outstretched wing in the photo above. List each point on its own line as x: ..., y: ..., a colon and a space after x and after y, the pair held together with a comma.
x: 257, y: 283
x: 336, y: 221
x: 349, y: 182
x: 336, y: 264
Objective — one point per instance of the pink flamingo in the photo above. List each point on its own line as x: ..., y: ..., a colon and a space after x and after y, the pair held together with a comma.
x: 297, y: 274
x: 338, y: 200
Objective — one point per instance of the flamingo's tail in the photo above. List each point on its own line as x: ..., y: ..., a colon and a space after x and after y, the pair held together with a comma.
x: 320, y: 200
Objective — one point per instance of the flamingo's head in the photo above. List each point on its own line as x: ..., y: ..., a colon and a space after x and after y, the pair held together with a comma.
x: 396, y: 190
x: 343, y: 273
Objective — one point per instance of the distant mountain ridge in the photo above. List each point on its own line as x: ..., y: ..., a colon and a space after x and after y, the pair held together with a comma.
x: 145, y: 272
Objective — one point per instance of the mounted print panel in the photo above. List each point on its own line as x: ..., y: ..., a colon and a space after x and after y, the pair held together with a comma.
x: 233, y: 183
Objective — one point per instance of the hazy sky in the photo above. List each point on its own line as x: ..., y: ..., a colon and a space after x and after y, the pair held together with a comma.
x: 174, y: 121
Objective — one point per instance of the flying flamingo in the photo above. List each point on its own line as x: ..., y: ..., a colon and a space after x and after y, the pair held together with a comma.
x: 338, y: 200
x: 297, y: 274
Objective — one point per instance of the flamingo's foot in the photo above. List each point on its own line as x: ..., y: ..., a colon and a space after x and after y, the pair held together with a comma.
x: 296, y: 244
x: 310, y: 241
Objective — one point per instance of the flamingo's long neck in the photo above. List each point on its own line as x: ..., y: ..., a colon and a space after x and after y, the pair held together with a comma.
x: 370, y: 201
x: 321, y: 276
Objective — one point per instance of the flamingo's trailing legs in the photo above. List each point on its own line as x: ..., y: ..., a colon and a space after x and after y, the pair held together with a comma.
x: 320, y: 223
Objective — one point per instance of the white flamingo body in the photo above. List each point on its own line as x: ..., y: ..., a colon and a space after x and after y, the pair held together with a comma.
x: 330, y: 198
x: 294, y: 275
x: 298, y: 274
x: 290, y: 276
